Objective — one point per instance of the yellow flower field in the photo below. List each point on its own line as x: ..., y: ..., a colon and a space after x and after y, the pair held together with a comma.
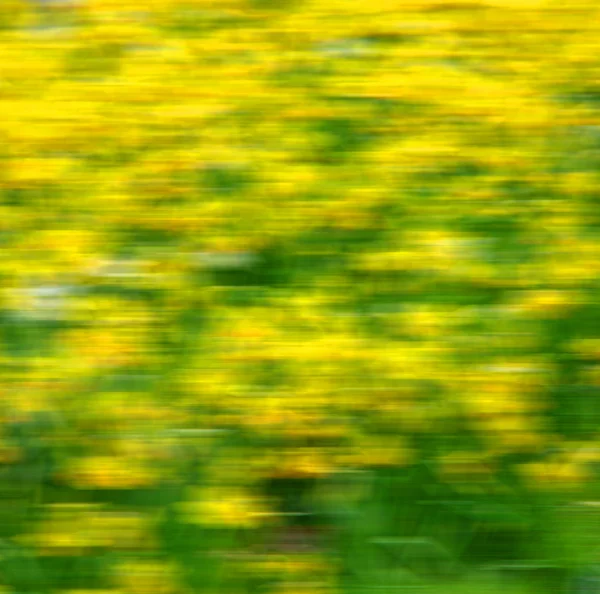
x: 293, y: 277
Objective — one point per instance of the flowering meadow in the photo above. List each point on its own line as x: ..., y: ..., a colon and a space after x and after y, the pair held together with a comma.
x: 299, y: 296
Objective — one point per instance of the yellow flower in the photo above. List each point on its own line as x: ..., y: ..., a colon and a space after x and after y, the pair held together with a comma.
x: 549, y: 302
x: 381, y: 451
x: 62, y: 532
x: 424, y: 322
x: 309, y: 463
x: 120, y: 531
x: 224, y: 508
x: 588, y: 348
x: 109, y: 472
x: 147, y: 577
x: 32, y: 171
x: 555, y: 474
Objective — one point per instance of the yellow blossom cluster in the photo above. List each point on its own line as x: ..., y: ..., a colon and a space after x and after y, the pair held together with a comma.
x: 347, y: 236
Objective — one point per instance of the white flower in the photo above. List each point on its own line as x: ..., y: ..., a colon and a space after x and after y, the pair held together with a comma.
x: 41, y: 302
x: 225, y: 259
x: 119, y: 269
x: 512, y: 369
x: 343, y: 48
